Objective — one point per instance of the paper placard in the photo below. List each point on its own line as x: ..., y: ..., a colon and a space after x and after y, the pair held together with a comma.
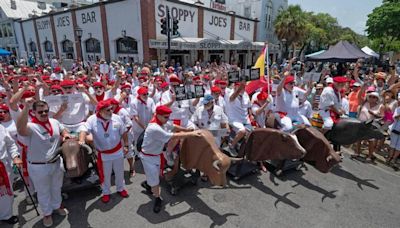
x: 187, y: 92
x: 198, y: 91
x: 254, y: 74
x: 68, y: 98
x: 311, y: 76
x: 180, y: 92
x: 234, y: 76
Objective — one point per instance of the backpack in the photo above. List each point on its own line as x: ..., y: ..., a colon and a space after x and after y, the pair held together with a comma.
x: 140, y: 142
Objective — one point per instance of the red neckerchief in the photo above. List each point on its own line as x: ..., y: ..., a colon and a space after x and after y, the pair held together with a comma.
x: 45, y: 124
x: 117, y: 109
x: 105, y: 127
x: 156, y: 120
x: 101, y: 97
x: 142, y: 101
x: 5, y: 181
x: 256, y: 102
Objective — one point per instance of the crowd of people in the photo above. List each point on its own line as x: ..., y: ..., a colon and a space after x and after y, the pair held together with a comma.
x: 111, y: 106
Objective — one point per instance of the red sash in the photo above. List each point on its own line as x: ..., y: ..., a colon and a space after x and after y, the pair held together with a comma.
x: 24, y: 151
x: 4, y: 180
x: 100, y: 160
x: 335, y: 117
x: 162, y: 161
x: 282, y: 114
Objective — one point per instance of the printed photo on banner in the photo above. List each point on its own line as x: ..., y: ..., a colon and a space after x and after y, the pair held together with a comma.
x: 244, y: 75
x: 183, y: 92
x: 67, y: 98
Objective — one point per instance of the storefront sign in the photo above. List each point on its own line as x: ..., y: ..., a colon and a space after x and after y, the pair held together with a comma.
x: 216, y: 25
x: 244, y: 29
x: 63, y: 21
x: 88, y: 17
x: 43, y: 24
x: 218, y: 5
x: 176, y: 13
x: 157, y: 44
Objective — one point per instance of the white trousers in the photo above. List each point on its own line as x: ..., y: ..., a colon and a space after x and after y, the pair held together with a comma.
x: 118, y: 166
x: 287, y: 122
x: 48, y: 180
x: 151, y: 167
x: 6, y: 201
x: 326, y: 117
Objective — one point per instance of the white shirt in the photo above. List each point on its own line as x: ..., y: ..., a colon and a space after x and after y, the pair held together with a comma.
x: 237, y: 110
x: 75, y: 113
x: 204, y: 121
x: 41, y: 145
x: 8, y: 148
x: 106, y: 138
x: 126, y: 102
x: 328, y: 98
x: 155, y: 136
x: 306, y: 109
x: 260, y: 119
x: 180, y: 109
x: 289, y: 101
x: 144, y: 112
x: 58, y: 76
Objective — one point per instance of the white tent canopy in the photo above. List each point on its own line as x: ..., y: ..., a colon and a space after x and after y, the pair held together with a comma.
x: 370, y: 52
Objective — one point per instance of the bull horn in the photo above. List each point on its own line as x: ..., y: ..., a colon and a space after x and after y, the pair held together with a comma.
x: 56, y: 155
x: 236, y: 159
x: 87, y: 148
x: 329, y: 158
x: 216, y: 164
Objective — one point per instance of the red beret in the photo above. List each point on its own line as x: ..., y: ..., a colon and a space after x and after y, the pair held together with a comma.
x: 289, y: 79
x: 24, y: 69
x: 67, y: 83
x: 98, y: 84
x: 113, y: 101
x: 170, y: 70
x: 163, y: 110
x: 126, y: 86
x: 164, y: 84
x: 28, y: 94
x: 220, y: 82
x: 144, y: 72
x: 58, y: 87
x: 216, y: 89
x: 45, y: 77
x: 142, y: 78
x: 262, y: 96
x: 340, y: 79
x: 57, y: 70
x: 111, y: 82
x: 142, y: 90
x: 4, y: 107
x: 103, y: 104
x: 196, y: 78
x: 174, y: 78
x: 206, y: 77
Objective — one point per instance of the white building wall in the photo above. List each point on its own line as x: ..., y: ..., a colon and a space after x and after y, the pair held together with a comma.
x: 124, y: 16
x: 29, y: 31
x: 43, y: 26
x: 244, y: 29
x: 64, y: 31
x: 89, y: 20
x: 21, y: 52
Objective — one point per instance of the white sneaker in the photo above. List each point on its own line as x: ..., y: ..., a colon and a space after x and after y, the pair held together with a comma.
x: 47, y: 221
x: 62, y: 211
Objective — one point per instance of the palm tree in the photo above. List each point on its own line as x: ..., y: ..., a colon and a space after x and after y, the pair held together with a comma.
x: 290, y: 25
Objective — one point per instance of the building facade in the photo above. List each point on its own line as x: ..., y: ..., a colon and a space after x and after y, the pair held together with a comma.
x: 130, y: 30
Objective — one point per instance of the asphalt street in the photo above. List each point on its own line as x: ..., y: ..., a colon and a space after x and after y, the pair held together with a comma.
x: 354, y: 194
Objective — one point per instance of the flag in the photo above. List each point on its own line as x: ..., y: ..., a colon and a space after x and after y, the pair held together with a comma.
x: 260, y: 63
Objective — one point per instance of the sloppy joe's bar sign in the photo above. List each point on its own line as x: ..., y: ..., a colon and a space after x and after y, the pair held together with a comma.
x: 187, y: 16
x: 216, y: 24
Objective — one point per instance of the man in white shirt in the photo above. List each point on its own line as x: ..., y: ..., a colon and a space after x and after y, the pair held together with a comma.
x: 260, y: 108
x: 110, y: 139
x: 8, y: 155
x: 238, y: 107
x: 288, y: 102
x: 154, y: 140
x: 43, y: 137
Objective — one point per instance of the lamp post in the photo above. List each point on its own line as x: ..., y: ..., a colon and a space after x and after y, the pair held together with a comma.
x: 78, y: 33
x: 380, y: 52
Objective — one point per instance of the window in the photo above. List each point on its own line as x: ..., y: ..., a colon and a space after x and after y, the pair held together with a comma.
x: 127, y: 45
x: 9, y: 30
x: 1, y: 33
x: 4, y: 29
x: 93, y: 46
x: 268, y: 16
x: 67, y: 46
x: 247, y: 11
x: 48, y: 46
x: 32, y: 46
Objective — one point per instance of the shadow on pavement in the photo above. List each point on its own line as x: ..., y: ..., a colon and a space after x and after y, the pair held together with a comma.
x: 196, y: 205
x: 256, y: 182
x: 339, y: 171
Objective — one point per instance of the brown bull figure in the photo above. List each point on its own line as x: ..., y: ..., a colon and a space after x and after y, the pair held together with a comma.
x: 202, y: 153
x: 76, y: 159
x: 271, y: 144
x: 319, y: 151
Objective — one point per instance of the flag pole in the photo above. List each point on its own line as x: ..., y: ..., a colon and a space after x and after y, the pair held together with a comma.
x: 266, y: 61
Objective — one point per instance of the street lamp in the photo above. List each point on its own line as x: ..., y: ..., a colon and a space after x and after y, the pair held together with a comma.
x: 78, y: 33
x: 380, y: 52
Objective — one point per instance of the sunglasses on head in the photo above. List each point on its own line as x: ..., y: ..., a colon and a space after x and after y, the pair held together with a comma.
x: 43, y: 112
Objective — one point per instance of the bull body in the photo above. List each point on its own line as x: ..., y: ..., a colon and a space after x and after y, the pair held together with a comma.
x: 271, y: 144
x: 202, y: 153
x: 319, y: 150
x: 348, y: 131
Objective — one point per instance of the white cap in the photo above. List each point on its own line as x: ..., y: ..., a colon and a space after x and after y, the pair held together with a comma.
x: 329, y: 80
x: 356, y: 84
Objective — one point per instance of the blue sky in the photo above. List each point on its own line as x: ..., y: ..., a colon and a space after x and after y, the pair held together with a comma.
x: 350, y: 13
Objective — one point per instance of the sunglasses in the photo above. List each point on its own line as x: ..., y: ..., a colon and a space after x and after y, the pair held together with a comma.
x: 56, y: 91
x: 43, y: 112
x: 4, y: 112
x: 97, y: 87
x: 109, y: 109
x: 166, y: 117
x: 146, y: 94
x: 68, y: 87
